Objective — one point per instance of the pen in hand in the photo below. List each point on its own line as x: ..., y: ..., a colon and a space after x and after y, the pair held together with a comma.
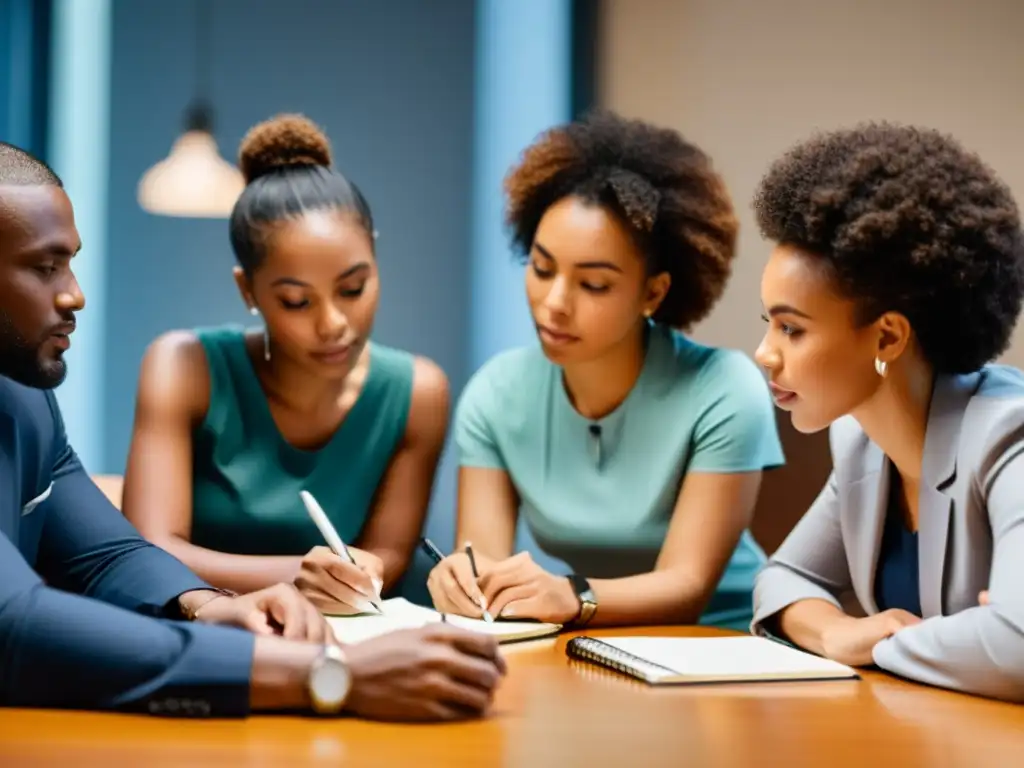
x: 435, y: 554
x: 331, y: 536
x: 431, y: 549
x: 476, y: 575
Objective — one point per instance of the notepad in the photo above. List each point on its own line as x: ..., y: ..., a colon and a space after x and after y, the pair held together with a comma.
x: 676, y: 660
x: 399, y: 613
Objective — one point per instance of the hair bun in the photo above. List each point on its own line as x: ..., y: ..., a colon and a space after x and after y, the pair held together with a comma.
x: 280, y: 142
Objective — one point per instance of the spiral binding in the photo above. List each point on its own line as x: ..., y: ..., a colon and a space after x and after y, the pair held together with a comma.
x: 598, y: 652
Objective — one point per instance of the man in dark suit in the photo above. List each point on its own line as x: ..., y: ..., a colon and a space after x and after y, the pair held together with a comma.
x: 93, y: 616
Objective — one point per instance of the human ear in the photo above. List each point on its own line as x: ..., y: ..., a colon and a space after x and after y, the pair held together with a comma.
x: 244, y: 288
x: 894, y: 334
x: 655, y: 292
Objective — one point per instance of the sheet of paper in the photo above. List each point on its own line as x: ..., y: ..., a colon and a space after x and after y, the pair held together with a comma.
x: 724, y: 657
x: 399, y: 613
x: 503, y: 628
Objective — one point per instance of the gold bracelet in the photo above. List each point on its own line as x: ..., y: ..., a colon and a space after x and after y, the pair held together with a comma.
x: 191, y: 614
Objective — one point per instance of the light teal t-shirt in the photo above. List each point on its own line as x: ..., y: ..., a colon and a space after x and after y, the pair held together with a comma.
x: 602, y: 505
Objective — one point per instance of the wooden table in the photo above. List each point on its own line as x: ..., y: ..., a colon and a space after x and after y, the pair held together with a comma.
x: 554, y: 712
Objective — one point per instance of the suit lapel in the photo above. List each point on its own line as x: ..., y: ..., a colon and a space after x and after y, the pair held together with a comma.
x: 950, y: 398
x: 933, y: 510
x: 862, y: 517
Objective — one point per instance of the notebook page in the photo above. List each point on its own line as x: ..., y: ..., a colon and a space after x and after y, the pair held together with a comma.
x: 399, y: 613
x: 725, y: 657
x: 502, y: 628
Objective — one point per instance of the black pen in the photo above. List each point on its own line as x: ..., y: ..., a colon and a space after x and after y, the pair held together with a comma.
x: 476, y: 575
x: 428, y: 546
x: 435, y: 554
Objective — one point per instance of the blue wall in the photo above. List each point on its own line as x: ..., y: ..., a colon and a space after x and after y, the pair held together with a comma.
x: 427, y: 104
x: 77, y: 138
x: 392, y: 84
x: 397, y: 102
x: 24, y: 71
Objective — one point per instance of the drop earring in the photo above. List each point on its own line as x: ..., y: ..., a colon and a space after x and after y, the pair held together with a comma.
x: 266, y: 334
x: 881, y: 367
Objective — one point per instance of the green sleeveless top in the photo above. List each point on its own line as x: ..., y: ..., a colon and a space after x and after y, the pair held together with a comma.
x: 247, y: 477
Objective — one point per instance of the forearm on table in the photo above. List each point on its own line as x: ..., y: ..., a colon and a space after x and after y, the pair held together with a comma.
x: 979, y: 650
x: 805, y: 621
x: 238, y: 573
x: 280, y: 674
x: 657, y: 597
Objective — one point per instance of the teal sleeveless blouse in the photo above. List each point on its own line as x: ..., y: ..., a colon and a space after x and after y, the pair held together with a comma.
x: 247, y: 478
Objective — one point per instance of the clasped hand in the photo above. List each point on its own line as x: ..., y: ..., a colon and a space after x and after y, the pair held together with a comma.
x: 337, y: 587
x: 514, y: 588
x: 852, y: 641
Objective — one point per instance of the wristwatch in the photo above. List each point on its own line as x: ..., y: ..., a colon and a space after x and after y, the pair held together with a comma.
x: 587, y: 598
x: 329, y: 681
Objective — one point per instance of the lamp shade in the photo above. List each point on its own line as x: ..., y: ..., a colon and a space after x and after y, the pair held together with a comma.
x: 193, y: 180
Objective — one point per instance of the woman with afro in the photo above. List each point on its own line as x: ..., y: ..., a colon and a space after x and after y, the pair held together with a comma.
x: 895, y: 280
x: 633, y: 453
x: 232, y: 423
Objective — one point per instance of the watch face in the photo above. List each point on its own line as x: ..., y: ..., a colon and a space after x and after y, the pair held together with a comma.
x: 330, y: 681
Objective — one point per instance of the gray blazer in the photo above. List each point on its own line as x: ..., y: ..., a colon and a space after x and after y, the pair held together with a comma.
x: 971, y: 538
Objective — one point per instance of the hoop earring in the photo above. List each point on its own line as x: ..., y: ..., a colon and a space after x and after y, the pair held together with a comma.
x: 881, y: 367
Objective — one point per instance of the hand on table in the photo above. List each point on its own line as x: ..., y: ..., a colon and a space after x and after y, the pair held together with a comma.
x: 850, y: 641
x: 337, y: 587
x: 276, y: 610
x: 437, y: 672
x: 518, y: 588
x: 454, y: 589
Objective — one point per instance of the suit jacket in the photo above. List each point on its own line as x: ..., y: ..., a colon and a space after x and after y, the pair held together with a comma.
x: 86, y: 604
x: 970, y: 538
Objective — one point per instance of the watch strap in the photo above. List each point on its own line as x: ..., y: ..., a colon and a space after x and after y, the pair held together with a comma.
x: 587, y: 598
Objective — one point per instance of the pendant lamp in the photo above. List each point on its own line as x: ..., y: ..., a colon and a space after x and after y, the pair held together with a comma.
x: 194, y: 180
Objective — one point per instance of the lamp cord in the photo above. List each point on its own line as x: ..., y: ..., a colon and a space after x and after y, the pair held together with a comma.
x: 202, y: 16
x: 200, y: 112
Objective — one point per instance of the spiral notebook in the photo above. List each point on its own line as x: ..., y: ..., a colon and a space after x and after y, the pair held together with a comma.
x: 678, y: 660
x: 399, y: 613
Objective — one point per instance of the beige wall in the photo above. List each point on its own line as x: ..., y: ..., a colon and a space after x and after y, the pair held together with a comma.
x: 745, y: 79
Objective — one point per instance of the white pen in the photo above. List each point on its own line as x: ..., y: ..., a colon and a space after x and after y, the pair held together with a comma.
x: 331, y: 535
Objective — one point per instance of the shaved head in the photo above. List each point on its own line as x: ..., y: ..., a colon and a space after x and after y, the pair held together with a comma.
x: 20, y: 168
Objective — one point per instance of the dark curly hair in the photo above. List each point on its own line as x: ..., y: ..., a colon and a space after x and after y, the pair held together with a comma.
x: 906, y: 220
x: 664, y: 189
x: 286, y: 162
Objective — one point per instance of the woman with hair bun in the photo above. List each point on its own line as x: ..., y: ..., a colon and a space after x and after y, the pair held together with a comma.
x: 633, y: 453
x: 231, y: 424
